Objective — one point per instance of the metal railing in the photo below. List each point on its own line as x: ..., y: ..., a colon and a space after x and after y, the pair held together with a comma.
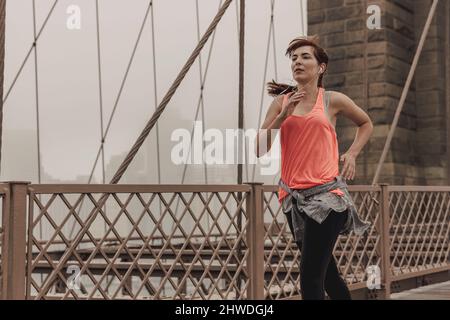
x: 202, y: 241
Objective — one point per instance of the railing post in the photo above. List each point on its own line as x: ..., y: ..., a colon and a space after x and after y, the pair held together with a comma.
x: 385, y: 242
x: 255, y: 240
x: 14, y: 241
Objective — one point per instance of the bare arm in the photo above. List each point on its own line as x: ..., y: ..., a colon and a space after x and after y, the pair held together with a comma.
x: 346, y: 107
x: 275, y: 116
x: 272, y: 121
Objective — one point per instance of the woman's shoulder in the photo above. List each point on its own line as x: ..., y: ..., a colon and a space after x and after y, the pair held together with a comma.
x: 336, y: 95
x: 337, y: 98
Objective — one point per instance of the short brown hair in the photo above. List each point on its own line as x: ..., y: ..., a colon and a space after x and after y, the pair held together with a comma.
x: 275, y: 88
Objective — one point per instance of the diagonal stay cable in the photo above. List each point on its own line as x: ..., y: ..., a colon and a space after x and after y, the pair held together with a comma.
x: 405, y: 90
x: 264, y: 75
x: 200, y: 103
x: 404, y: 94
x: 169, y: 94
x: 119, y: 94
x: 29, y: 52
x: 122, y: 85
x: 93, y: 214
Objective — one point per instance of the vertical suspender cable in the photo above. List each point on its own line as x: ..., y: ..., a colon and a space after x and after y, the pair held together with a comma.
x: 238, y: 28
x: 201, y: 86
x: 202, y: 101
x: 447, y: 81
x: 241, y: 89
x: 38, y: 137
x: 100, y: 94
x: 116, y: 103
x: 365, y: 75
x: 241, y: 135
x: 140, y: 140
x: 302, y: 23
x: 155, y: 89
x: 135, y: 148
x: 36, y: 83
x: 100, y: 90
x: 264, y: 76
x: 2, y: 68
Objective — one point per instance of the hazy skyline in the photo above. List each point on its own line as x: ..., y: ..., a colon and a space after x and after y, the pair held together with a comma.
x: 68, y: 78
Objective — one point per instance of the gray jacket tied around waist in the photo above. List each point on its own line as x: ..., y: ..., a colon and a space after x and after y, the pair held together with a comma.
x: 317, y: 202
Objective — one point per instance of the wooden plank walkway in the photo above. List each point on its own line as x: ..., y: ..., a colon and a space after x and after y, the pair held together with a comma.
x: 438, y: 291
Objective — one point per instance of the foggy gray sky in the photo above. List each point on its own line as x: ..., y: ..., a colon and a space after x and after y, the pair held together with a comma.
x: 68, y: 82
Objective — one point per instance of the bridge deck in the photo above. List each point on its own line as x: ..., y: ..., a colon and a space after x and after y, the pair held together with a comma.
x: 438, y: 291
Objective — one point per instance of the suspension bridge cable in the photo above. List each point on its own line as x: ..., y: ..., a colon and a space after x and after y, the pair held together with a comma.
x: 155, y: 88
x: 365, y: 89
x: 95, y: 211
x: 405, y: 90
x: 202, y: 84
x: 29, y: 53
x: 264, y: 75
x: 302, y: 24
x: 275, y: 64
x: 447, y: 75
x: 241, y: 135
x: 199, y: 102
x: 116, y: 103
x: 36, y: 83
x: 197, y: 14
x: 2, y: 68
x: 274, y: 46
x: 241, y: 126
x: 100, y: 90
x: 100, y: 95
x: 239, y: 37
x: 169, y: 94
x: 119, y: 94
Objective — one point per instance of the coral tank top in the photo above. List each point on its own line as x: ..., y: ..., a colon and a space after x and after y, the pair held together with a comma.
x: 309, y: 149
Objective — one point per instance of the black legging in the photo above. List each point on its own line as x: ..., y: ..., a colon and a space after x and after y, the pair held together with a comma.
x: 318, y: 270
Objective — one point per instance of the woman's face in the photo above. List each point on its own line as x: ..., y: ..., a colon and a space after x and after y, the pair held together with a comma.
x: 304, y: 64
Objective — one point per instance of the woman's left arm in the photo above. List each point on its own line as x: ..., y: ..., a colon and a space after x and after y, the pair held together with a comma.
x: 346, y: 107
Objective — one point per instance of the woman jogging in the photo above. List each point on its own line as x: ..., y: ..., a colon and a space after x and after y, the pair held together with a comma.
x: 313, y: 194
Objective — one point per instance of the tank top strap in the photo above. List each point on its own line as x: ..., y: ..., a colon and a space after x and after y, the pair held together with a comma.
x: 326, y: 100
x: 319, y: 102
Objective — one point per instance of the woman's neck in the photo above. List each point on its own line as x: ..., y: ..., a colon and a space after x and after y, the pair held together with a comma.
x: 310, y: 90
